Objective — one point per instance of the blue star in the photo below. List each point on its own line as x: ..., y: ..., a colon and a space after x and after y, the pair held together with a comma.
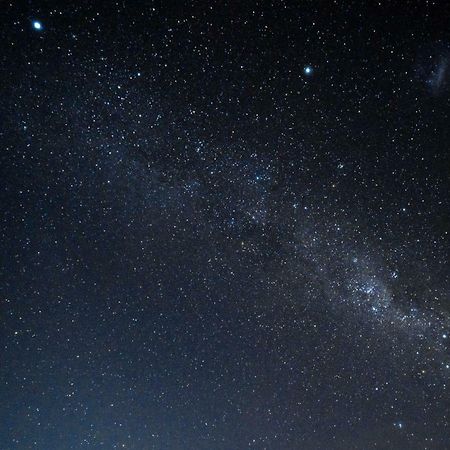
x: 308, y: 70
x: 37, y: 25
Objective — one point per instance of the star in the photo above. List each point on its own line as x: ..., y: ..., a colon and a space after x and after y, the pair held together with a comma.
x: 37, y: 25
x: 308, y: 70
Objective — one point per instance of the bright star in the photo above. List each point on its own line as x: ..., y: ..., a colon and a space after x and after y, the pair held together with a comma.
x: 308, y: 70
x: 37, y: 25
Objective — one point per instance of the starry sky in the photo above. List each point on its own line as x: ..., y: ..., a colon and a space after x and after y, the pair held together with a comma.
x: 225, y: 225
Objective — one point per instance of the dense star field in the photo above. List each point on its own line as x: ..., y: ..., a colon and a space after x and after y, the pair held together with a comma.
x: 225, y: 225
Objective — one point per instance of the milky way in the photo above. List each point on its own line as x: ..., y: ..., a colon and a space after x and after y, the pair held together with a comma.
x: 224, y: 226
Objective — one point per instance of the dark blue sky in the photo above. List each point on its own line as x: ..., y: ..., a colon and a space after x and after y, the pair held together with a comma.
x: 225, y: 225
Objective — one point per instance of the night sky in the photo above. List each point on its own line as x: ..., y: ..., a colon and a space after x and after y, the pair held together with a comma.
x: 225, y: 225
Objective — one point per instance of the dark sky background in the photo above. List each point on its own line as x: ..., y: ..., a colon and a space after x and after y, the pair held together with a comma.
x: 225, y: 225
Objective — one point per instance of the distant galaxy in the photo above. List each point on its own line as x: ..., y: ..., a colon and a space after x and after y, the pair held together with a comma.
x: 432, y: 67
x: 225, y: 226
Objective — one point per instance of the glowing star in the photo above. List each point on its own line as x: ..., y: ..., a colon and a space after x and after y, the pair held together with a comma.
x: 37, y: 25
x: 308, y: 70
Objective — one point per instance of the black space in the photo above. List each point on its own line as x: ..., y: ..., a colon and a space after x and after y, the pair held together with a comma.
x: 225, y: 225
